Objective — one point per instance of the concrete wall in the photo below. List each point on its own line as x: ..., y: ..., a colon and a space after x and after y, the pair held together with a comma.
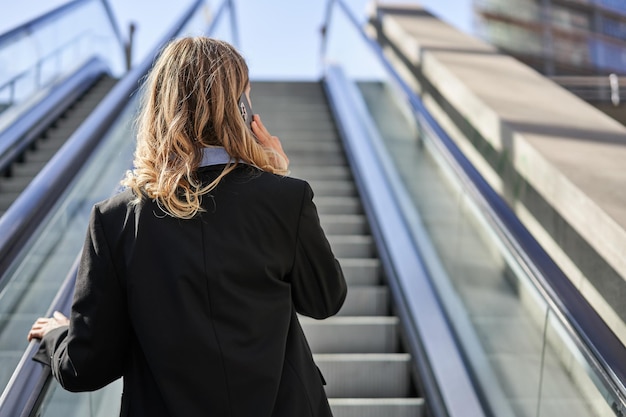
x: 558, y: 161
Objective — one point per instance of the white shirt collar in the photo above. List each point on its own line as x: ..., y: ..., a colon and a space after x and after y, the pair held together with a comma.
x: 215, y: 155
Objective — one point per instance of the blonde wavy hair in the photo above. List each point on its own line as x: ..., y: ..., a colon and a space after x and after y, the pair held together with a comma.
x: 190, y: 101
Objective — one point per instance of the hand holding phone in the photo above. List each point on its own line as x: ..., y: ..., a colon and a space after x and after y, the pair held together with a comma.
x: 265, y: 138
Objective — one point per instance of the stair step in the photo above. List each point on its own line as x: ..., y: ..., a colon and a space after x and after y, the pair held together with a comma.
x: 365, y: 375
x: 311, y: 135
x: 338, y: 205
x: 14, y: 184
x: 344, y: 224
x: 6, y: 199
x: 352, y: 334
x: 352, y: 246
x: 313, y: 148
x: 304, y: 122
x: 317, y: 159
x: 361, y: 271
x: 28, y: 169
x: 334, y: 188
x: 366, y: 301
x: 41, y: 155
x: 57, y: 136
x: 310, y: 173
x: 377, y: 407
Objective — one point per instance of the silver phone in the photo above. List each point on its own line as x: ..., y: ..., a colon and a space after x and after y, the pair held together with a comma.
x: 246, y: 110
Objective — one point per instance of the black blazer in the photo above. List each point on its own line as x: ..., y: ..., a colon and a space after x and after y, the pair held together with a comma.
x: 199, y: 316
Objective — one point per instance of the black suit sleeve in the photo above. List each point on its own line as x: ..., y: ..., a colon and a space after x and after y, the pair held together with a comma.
x: 93, y: 351
x: 317, y: 282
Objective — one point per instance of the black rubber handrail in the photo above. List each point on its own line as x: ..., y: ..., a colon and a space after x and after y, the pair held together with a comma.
x: 601, y: 348
x: 19, y: 135
x: 29, y: 381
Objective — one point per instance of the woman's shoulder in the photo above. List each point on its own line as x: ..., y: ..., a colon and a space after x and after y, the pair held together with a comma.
x: 118, y: 203
x: 259, y: 178
x: 286, y: 185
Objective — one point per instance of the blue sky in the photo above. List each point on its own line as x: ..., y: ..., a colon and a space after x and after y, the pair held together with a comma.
x: 279, y: 38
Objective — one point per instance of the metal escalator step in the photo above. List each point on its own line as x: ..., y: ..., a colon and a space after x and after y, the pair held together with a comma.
x: 338, y: 205
x: 377, y: 407
x: 28, y: 169
x: 344, y: 224
x: 314, y: 148
x: 361, y: 271
x: 365, y: 375
x: 300, y: 114
x: 14, y: 184
x: 312, y: 173
x: 41, y: 155
x: 7, y: 198
x: 56, y: 134
x: 352, y: 334
x: 79, y: 114
x: 277, y: 91
x: 299, y: 121
x: 366, y: 300
x: 64, y: 129
x: 334, y: 188
x: 352, y: 246
x: 320, y: 160
x: 50, y: 147
x: 289, y: 136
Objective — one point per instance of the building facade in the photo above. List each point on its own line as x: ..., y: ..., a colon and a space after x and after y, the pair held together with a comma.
x: 558, y: 37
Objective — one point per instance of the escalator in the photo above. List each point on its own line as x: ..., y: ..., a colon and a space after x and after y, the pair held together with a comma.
x: 20, y: 172
x: 56, y: 68
x: 360, y: 350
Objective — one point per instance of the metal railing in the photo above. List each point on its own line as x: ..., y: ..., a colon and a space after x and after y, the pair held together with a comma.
x: 602, y: 352
x: 597, y: 89
x: 586, y: 42
x: 38, y: 81
x: 44, y: 50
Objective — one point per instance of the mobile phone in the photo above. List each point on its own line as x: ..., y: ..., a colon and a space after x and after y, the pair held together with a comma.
x: 246, y: 110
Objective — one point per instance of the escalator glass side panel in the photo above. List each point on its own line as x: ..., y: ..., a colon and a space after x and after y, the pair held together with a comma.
x: 34, y: 278
x: 506, y: 327
x: 524, y: 358
x: 40, y: 53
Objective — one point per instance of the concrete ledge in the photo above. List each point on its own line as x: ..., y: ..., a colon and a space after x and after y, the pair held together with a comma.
x: 558, y: 161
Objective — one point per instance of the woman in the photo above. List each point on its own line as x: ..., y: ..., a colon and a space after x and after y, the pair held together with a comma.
x: 191, y: 278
